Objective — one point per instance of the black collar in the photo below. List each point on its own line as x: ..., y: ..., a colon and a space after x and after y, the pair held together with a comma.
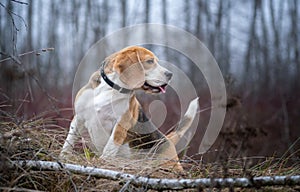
x: 110, y: 83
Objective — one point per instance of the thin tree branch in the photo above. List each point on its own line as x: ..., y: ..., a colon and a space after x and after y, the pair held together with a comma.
x: 11, y: 14
x: 20, y: 2
x: 37, y: 52
x: 18, y: 189
x: 160, y: 184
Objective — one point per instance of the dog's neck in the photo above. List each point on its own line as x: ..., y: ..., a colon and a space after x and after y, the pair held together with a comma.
x: 112, y: 105
x: 112, y: 95
x: 115, y: 81
x: 122, y: 89
x: 114, y: 78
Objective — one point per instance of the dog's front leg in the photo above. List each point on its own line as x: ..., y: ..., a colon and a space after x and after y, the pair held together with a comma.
x: 115, y: 141
x: 73, y: 136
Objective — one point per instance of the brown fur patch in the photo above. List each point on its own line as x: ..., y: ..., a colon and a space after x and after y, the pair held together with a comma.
x: 93, y: 82
x: 120, y: 135
x: 164, y: 148
x: 129, y: 64
x: 127, y: 121
x: 130, y: 55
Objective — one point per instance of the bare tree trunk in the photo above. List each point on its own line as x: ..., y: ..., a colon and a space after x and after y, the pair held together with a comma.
x: 208, y: 15
x: 294, y: 42
x: 187, y: 15
x: 277, y: 47
x: 9, y: 40
x: 251, y: 44
x: 165, y: 21
x: 38, y: 38
x: 124, y: 12
x: 147, y: 11
x: 53, y: 70
x: 218, y: 42
x: 146, y: 21
x: 227, y: 40
x: 105, y: 17
x: 8, y: 48
x: 86, y: 19
x: 29, y: 29
x: 265, y: 50
x: 164, y: 11
x: 199, y: 23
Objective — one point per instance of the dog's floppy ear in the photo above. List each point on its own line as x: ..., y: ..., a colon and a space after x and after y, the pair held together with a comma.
x: 130, y: 68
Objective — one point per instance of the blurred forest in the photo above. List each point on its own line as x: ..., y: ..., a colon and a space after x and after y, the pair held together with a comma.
x: 256, y: 44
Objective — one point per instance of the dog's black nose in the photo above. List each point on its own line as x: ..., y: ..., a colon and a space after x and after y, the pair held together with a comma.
x: 168, y: 74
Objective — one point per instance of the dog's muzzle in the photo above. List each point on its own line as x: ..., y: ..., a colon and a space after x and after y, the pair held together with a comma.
x: 159, y: 87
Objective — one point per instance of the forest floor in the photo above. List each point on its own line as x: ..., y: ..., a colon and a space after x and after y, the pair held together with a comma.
x: 41, y: 139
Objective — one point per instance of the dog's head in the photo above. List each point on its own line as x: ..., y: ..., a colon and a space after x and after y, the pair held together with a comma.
x: 138, y: 68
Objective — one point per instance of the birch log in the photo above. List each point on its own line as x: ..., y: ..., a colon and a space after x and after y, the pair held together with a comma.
x: 159, y: 184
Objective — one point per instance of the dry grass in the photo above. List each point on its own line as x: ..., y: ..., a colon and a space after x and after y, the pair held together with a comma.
x: 41, y: 138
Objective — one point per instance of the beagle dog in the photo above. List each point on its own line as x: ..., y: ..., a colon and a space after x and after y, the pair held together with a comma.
x: 108, y: 110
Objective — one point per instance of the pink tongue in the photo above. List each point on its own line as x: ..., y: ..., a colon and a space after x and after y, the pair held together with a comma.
x: 162, y: 89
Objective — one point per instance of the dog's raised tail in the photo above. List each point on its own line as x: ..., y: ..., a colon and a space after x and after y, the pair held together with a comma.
x: 185, y: 123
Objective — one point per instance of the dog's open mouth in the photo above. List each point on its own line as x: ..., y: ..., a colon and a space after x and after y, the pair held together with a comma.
x: 154, y: 89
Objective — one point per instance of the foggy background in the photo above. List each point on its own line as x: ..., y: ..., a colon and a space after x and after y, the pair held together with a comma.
x: 256, y: 44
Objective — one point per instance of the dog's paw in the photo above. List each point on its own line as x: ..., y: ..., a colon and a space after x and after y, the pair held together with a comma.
x: 108, y: 154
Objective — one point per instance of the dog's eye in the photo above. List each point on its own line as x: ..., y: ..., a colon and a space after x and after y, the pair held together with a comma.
x: 150, y: 61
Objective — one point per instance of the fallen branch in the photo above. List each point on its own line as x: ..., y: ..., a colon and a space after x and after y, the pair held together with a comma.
x: 159, y: 184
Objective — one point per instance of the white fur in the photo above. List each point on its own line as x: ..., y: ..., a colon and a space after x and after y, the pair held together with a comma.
x: 156, y: 76
x: 97, y: 111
